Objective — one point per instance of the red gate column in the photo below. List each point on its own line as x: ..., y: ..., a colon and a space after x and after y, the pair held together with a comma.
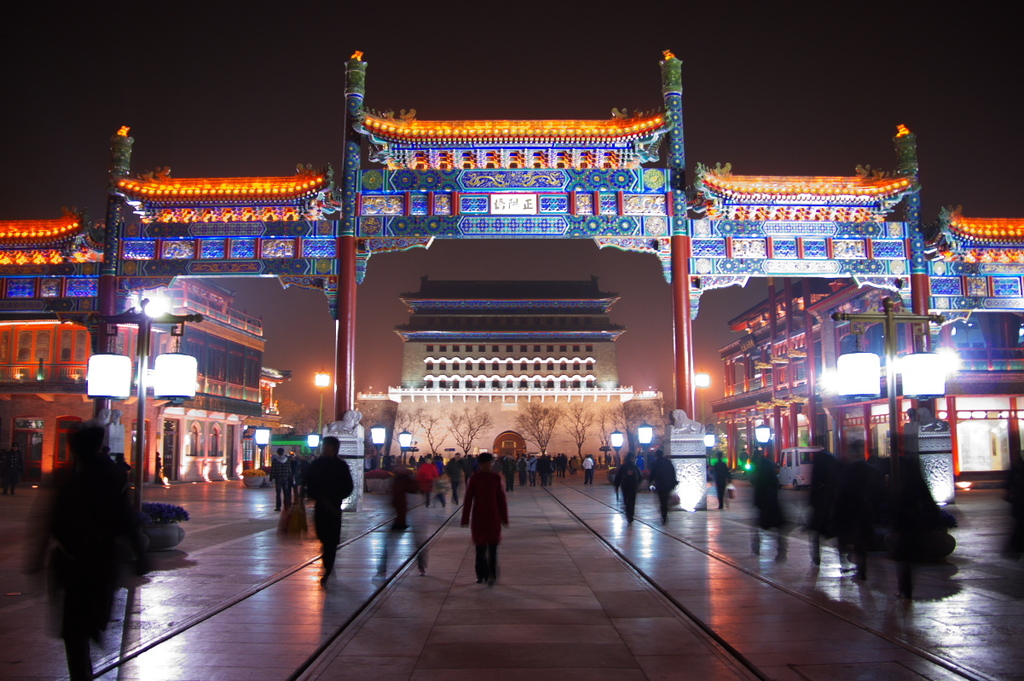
x: 682, y: 325
x: 345, y: 355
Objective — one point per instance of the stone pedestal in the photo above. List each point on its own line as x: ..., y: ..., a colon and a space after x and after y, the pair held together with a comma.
x: 350, y: 450
x: 689, y: 457
x: 935, y: 450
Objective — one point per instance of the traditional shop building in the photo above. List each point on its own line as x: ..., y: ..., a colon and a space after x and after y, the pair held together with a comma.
x: 497, y: 345
x: 777, y: 374
x: 43, y: 397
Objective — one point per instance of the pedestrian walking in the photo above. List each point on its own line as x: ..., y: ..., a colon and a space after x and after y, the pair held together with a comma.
x: 402, y: 485
x: 531, y: 466
x: 90, y: 519
x: 663, y: 479
x: 281, y: 474
x: 485, y: 511
x: 916, y: 517
x: 425, y: 476
x: 11, y: 466
x: 441, y: 488
x: 455, y: 475
x: 627, y: 479
x: 822, y: 499
x: 574, y: 463
x: 544, y: 470
x: 328, y: 484
x: 588, y: 470
x: 722, y: 477
x: 508, y: 469
x: 858, y: 495
x: 766, y: 501
x: 1015, y: 495
x: 523, y: 468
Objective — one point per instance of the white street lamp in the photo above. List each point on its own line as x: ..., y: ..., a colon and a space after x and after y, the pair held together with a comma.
x: 857, y: 374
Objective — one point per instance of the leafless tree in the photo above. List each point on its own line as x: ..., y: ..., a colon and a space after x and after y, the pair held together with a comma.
x: 538, y: 420
x: 578, y: 421
x: 629, y: 416
x: 467, y: 424
x: 434, y: 428
x: 298, y: 418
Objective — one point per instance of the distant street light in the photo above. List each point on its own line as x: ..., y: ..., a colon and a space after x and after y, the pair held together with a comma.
x: 405, y: 442
x: 644, y: 435
x: 617, y: 439
x: 322, y: 379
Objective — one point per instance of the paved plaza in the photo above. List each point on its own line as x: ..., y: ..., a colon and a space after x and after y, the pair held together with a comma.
x: 580, y: 595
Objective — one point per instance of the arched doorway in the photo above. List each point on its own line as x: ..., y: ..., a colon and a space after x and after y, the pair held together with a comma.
x: 509, y: 443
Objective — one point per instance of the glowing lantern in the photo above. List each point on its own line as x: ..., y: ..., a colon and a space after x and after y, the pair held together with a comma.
x: 175, y: 376
x: 924, y: 375
x: 109, y: 376
x: 857, y: 374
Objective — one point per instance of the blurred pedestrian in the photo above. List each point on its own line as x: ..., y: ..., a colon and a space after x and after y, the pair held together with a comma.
x: 523, y: 468
x: 544, y: 470
x: 11, y: 466
x: 822, y: 499
x: 663, y: 479
x: 856, y: 507
x: 455, y: 475
x: 588, y: 470
x: 531, y: 467
x: 441, y: 488
x: 916, y: 517
x: 425, y: 475
x: 402, y: 485
x: 91, y: 517
x: 722, y: 476
x: 766, y: 500
x: 508, y: 470
x: 627, y: 479
x: 1015, y: 495
x: 485, y: 511
x: 281, y: 474
x: 328, y: 484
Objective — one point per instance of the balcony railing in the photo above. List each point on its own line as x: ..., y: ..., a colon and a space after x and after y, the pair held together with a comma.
x: 27, y: 373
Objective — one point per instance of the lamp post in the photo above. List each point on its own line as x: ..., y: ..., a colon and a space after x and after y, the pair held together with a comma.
x: 405, y: 442
x: 321, y: 379
x: 644, y: 435
x: 261, y: 436
x: 890, y: 320
x: 109, y: 376
x: 617, y: 439
x: 378, y: 434
x: 763, y: 435
x: 701, y: 380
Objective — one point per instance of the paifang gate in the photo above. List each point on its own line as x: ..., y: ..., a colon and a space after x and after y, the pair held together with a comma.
x: 511, y: 179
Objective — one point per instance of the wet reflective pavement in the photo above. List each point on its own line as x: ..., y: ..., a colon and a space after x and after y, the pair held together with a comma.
x: 235, y: 601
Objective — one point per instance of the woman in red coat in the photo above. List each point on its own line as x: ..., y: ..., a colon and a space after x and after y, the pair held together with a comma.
x: 485, y: 503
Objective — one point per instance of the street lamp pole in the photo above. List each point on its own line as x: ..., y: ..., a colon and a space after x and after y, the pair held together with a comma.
x: 890, y: 320
x: 149, y: 313
x: 322, y: 379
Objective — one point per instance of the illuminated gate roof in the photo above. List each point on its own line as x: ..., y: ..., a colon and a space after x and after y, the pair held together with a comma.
x: 621, y: 142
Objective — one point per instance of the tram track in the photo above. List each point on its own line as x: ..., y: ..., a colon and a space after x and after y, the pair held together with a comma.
x: 949, y: 665
x: 112, y: 663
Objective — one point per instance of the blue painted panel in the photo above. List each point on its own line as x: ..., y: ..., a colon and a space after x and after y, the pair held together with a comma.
x: 139, y: 250
x: 243, y: 248
x: 212, y: 250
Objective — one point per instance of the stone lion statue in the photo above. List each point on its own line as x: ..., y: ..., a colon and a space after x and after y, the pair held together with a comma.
x: 684, y: 425
x: 348, y: 425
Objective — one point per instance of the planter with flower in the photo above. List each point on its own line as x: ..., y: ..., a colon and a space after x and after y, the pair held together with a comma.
x: 160, y: 524
x: 379, y: 481
x: 254, y: 477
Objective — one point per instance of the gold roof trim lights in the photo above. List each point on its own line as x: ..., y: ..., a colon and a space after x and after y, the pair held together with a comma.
x: 49, y: 230
x: 795, y: 185
x: 539, y: 129
x: 989, y: 228
x: 217, y: 188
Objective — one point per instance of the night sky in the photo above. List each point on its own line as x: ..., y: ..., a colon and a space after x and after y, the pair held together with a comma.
x: 240, y: 89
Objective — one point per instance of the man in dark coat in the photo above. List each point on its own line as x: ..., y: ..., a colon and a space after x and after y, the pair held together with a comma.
x: 11, y: 466
x: 328, y: 484
x: 91, y: 514
x: 281, y: 474
x: 663, y: 477
x: 766, y: 500
x: 627, y: 479
x: 824, y: 479
x: 508, y: 469
x: 485, y: 510
x: 722, y: 477
x: 544, y: 470
x: 455, y: 474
